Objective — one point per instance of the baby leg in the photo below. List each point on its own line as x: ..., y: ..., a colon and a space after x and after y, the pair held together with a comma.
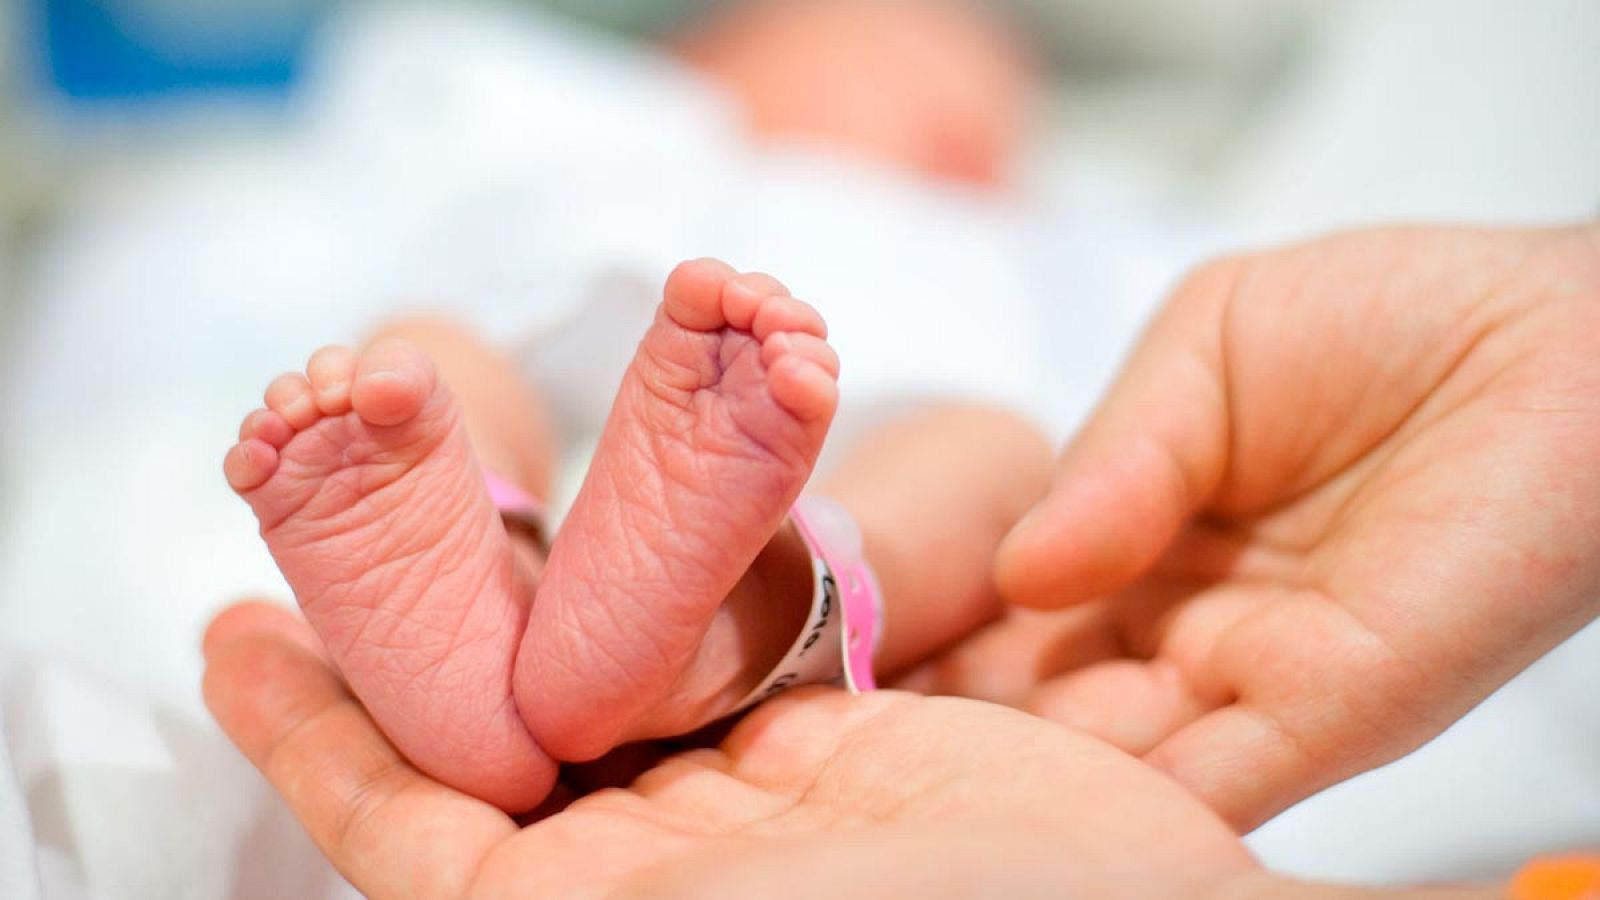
x: 934, y: 492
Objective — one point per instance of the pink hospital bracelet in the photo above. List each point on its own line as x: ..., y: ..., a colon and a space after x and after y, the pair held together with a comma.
x: 846, y: 604
x: 846, y: 608
x: 518, y: 509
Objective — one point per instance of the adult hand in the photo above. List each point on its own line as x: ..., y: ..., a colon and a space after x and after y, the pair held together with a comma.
x: 1341, y: 492
x: 814, y: 794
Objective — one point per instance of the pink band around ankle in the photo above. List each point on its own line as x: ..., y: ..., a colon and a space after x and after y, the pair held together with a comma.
x: 518, y: 509
x: 846, y: 608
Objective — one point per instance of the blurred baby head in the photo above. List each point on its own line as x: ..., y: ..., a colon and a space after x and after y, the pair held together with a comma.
x: 940, y: 87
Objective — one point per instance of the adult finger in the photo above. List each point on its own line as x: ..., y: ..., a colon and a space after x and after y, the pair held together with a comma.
x: 1006, y: 661
x: 389, y: 829
x: 1152, y: 453
x: 1131, y: 704
x: 1244, y: 763
x: 257, y: 618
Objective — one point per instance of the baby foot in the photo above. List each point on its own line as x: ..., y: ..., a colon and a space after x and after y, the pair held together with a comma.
x: 712, y: 435
x: 373, y: 506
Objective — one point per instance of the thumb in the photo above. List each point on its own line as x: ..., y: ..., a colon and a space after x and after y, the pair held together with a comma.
x: 1149, y: 456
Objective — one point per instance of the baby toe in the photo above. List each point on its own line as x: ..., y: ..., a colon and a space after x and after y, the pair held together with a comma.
x: 693, y: 295
x: 249, y: 464
x: 743, y: 295
x: 331, y: 371
x: 393, y: 380
x: 805, y: 346
x: 787, y: 314
x: 266, y: 425
x: 804, y: 388
x: 289, y: 395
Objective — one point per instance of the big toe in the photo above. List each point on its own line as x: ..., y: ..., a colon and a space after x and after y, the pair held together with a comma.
x: 393, y: 380
x: 692, y: 297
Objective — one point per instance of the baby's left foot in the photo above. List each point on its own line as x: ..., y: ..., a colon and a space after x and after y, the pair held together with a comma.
x: 372, y: 504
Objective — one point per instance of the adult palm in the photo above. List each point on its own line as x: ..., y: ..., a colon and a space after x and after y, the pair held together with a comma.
x: 815, y: 794
x: 1339, y: 494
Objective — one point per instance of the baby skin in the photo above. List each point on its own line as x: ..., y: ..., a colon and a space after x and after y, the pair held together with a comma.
x: 674, y: 584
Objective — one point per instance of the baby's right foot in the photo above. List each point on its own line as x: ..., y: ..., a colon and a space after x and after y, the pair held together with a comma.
x: 713, y: 434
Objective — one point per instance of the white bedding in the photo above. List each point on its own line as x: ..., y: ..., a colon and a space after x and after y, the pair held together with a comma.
x: 504, y: 181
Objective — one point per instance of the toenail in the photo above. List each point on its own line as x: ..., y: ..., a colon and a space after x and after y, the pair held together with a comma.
x: 387, y: 376
x: 751, y: 291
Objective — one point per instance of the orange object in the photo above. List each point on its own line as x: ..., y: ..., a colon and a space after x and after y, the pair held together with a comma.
x: 1568, y: 877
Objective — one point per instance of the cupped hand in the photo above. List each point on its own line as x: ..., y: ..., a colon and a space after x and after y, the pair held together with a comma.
x: 814, y: 794
x: 1341, y: 492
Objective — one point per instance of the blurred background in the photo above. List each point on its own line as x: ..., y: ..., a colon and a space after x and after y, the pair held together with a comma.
x: 986, y: 199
